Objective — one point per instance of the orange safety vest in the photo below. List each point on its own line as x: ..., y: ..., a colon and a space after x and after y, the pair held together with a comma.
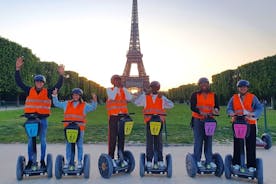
x: 247, y: 103
x: 38, y: 102
x: 118, y: 105
x: 153, y: 108
x: 205, y: 104
x: 75, y: 113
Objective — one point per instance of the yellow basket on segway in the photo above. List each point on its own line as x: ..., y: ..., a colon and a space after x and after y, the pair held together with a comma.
x: 72, y: 135
x: 128, y: 127
x: 155, y: 127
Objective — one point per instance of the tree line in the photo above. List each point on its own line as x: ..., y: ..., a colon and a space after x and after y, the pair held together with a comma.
x: 9, y: 51
x: 261, y: 75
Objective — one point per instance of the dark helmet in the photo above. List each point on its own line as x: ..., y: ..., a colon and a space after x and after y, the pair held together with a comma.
x: 242, y: 83
x: 155, y: 84
x: 77, y: 91
x: 114, y: 77
x: 39, y: 78
x: 203, y: 80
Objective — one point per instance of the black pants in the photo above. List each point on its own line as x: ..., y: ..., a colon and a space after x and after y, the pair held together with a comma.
x: 115, y: 131
x: 154, y: 143
x: 250, y: 142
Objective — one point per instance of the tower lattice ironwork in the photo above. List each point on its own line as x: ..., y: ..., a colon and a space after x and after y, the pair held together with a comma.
x: 134, y: 56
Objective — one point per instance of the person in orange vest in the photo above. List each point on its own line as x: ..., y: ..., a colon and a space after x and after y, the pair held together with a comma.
x: 117, y: 98
x: 75, y: 110
x: 245, y: 103
x: 203, y: 103
x: 38, y: 101
x: 154, y: 103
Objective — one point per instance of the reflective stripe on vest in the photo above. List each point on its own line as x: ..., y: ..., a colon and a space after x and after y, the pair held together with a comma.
x: 205, y: 103
x: 38, y: 102
x: 118, y: 105
x: 153, y: 108
x: 75, y: 113
x: 247, y: 103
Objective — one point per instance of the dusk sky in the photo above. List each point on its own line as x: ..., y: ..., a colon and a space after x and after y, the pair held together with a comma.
x: 181, y: 40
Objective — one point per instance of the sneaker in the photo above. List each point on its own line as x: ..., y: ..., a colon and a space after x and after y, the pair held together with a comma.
x: 66, y: 165
x: 124, y: 163
x: 199, y: 164
x: 149, y: 164
x: 213, y: 165
x: 161, y: 165
x: 236, y: 167
x: 114, y: 163
x: 29, y: 165
x: 251, y: 169
x: 79, y: 166
x: 42, y: 164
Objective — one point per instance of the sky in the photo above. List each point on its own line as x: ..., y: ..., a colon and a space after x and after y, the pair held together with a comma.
x: 181, y: 40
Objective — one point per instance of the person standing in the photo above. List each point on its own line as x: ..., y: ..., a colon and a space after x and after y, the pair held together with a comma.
x: 75, y: 110
x: 117, y: 98
x: 154, y: 103
x: 245, y: 103
x: 38, y: 101
x: 203, y: 103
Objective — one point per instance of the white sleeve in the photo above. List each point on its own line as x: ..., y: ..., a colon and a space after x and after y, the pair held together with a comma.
x: 167, y: 104
x: 111, y: 94
x: 141, y: 100
x: 128, y: 95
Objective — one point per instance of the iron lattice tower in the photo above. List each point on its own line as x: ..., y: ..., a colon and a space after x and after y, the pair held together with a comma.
x: 134, y: 56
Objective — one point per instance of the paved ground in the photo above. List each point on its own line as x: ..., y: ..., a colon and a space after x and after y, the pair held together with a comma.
x: 10, y: 152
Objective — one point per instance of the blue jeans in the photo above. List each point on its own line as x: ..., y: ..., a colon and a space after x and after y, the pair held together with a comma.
x: 80, y: 148
x: 199, y: 138
x: 43, y: 131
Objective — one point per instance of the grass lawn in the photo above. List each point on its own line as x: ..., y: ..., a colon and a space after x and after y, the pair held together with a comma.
x: 178, y: 126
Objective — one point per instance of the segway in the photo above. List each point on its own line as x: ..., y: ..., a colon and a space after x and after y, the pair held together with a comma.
x: 32, y: 129
x: 125, y: 163
x: 72, y: 133
x: 265, y: 141
x: 191, y: 164
x: 155, y: 127
x: 241, y: 130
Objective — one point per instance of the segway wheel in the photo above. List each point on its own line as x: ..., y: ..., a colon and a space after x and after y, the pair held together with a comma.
x: 191, y: 165
x: 169, y: 165
x: 259, y: 170
x: 105, y: 166
x: 20, y: 167
x: 58, y: 166
x: 128, y: 156
x: 267, y: 139
x: 49, y: 165
x: 142, y: 164
x: 86, y: 166
x: 219, y: 162
x: 227, y: 166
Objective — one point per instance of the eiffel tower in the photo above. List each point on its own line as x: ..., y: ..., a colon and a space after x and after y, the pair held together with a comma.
x: 134, y: 56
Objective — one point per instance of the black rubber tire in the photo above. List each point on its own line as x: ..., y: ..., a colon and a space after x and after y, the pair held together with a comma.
x: 227, y: 166
x: 49, y: 165
x: 105, y: 165
x: 20, y: 165
x: 142, y: 164
x: 259, y: 171
x: 191, y: 166
x: 59, y: 166
x: 267, y: 139
x: 128, y: 156
x: 169, y: 165
x: 86, y: 166
x: 219, y: 162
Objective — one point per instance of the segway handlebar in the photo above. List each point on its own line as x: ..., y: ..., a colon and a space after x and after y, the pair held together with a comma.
x: 76, y: 122
x: 156, y: 114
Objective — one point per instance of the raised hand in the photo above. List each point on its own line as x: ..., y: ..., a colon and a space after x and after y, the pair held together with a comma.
x: 94, y: 97
x: 61, y: 69
x: 19, y: 63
